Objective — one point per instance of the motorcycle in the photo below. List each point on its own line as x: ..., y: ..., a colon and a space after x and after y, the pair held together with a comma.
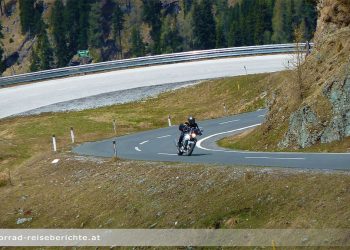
x: 189, y: 141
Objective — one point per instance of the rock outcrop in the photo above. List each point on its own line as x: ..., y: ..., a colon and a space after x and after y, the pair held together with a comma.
x: 323, y: 115
x: 306, y: 129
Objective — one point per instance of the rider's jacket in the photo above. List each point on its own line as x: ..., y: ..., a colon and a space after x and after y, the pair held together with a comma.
x: 185, y: 126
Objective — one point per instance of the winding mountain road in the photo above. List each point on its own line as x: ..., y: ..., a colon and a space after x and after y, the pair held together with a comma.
x: 159, y: 145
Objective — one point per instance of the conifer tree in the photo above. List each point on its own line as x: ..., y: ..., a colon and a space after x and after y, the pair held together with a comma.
x: 35, y: 61
x: 220, y: 36
x: 152, y: 15
x: 95, y: 26
x: 45, y: 52
x: 107, y: 13
x: 171, y: 41
x: 42, y: 54
x: 58, y: 32
x: 137, y: 45
x: 83, y: 23
x: 204, y: 25
x: 71, y: 17
x: 187, y: 5
x: 26, y: 8
x: 278, y: 22
x: 118, y: 26
x: 30, y: 16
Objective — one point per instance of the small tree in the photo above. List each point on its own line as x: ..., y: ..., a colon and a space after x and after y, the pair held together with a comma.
x: 1, y: 50
x: 296, y: 63
x: 34, y: 62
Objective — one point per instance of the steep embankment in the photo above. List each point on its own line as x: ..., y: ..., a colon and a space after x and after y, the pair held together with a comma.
x: 315, y: 110
x: 324, y: 115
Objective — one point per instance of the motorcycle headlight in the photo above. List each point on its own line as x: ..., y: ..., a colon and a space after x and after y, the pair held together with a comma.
x: 193, y: 135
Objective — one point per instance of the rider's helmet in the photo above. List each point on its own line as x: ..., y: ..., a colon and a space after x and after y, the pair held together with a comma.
x: 191, y: 120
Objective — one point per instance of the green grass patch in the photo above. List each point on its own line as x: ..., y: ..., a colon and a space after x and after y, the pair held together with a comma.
x: 257, y: 140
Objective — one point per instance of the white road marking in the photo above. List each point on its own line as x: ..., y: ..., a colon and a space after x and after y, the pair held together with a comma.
x: 252, y: 152
x: 221, y: 123
x: 261, y: 116
x: 274, y: 158
x: 160, y: 137
x: 166, y: 154
x: 199, y: 143
x: 137, y: 149
x: 141, y: 143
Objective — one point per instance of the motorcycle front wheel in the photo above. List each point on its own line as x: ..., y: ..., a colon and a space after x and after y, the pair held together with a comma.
x: 190, y: 150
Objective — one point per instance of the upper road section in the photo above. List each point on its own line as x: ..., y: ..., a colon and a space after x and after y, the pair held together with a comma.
x: 22, y: 98
x: 189, y: 66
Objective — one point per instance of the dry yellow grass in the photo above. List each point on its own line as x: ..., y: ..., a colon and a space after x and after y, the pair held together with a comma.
x: 4, y: 179
x: 80, y: 192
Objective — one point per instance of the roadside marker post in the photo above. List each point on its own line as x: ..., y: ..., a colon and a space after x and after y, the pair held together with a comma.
x: 273, y: 245
x: 115, y: 148
x: 10, y: 179
x: 225, y: 109
x: 115, y: 127
x: 245, y: 68
x: 72, y: 134
x: 54, y: 143
x: 169, y: 120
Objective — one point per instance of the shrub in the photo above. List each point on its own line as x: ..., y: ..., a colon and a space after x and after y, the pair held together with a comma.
x: 4, y: 179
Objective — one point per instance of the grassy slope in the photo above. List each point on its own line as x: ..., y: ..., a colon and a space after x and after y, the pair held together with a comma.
x: 24, y: 137
x: 82, y: 193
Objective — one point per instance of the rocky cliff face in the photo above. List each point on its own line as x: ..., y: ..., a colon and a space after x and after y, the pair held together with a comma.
x: 323, y: 115
x: 305, y: 126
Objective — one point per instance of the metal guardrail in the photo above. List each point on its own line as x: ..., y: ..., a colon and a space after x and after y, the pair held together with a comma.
x: 149, y: 60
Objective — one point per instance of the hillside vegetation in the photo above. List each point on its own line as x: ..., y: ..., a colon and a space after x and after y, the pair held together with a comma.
x: 316, y: 110
x: 45, y: 34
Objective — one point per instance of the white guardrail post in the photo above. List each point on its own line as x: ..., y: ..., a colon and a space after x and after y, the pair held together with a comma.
x: 150, y: 60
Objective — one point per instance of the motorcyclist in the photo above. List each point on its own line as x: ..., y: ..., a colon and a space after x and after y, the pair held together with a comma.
x: 184, y: 127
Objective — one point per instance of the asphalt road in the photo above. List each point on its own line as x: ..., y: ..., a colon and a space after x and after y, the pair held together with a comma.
x: 159, y: 145
x: 19, y: 99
